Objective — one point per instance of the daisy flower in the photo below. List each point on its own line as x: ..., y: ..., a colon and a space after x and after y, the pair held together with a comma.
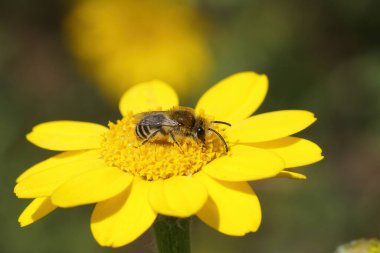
x: 131, y: 183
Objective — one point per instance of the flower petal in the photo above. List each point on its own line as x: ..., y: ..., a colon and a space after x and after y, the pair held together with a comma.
x: 294, y: 151
x: 122, y: 219
x: 37, y: 209
x: 270, y: 126
x: 244, y: 163
x: 232, y: 208
x: 67, y: 135
x: 43, y: 183
x: 60, y: 159
x: 91, y: 186
x: 177, y: 196
x: 148, y: 96
x: 291, y: 175
x: 235, y: 97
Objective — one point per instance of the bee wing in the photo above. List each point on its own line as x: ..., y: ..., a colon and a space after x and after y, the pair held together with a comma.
x: 155, y: 118
x: 139, y: 116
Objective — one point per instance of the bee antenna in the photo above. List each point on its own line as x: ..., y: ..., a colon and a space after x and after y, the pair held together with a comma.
x: 220, y: 137
x: 221, y: 122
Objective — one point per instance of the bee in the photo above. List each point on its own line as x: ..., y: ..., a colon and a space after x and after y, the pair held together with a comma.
x: 178, y: 122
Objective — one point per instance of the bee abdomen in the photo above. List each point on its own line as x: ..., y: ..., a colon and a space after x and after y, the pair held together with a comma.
x: 143, y: 131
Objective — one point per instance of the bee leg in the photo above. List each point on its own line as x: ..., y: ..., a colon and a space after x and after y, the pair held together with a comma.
x: 150, y: 137
x: 175, y: 141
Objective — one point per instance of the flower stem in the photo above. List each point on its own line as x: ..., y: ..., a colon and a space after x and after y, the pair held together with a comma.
x: 172, y: 234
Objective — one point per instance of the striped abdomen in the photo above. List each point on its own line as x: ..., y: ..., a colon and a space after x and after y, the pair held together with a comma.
x: 144, y: 131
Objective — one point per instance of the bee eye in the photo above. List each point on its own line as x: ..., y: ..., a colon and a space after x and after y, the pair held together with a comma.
x: 200, y: 133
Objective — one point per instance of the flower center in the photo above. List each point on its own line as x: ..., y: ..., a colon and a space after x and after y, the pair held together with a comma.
x: 157, y: 159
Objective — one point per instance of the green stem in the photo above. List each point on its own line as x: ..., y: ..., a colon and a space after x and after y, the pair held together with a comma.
x: 172, y: 234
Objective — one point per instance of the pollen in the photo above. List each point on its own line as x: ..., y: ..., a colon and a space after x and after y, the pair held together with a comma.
x: 155, y: 160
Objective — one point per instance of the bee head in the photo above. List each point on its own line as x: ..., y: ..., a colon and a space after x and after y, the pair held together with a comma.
x: 199, y: 130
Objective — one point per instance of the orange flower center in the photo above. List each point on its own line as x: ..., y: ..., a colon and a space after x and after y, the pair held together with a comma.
x: 157, y: 159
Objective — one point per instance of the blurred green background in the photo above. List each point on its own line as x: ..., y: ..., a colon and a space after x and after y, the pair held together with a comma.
x: 323, y: 56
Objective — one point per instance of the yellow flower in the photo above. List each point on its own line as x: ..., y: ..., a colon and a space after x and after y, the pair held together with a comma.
x: 133, y: 183
x: 123, y: 42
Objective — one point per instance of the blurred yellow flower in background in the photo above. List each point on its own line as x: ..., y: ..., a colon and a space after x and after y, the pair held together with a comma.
x: 122, y: 42
x: 132, y: 183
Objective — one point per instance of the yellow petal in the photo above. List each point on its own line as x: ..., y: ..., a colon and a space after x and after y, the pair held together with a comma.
x: 270, y: 126
x: 91, y: 186
x: 290, y: 174
x: 148, y: 96
x: 232, y: 208
x: 60, y: 159
x: 235, y: 97
x: 67, y: 135
x: 120, y: 220
x: 43, y: 183
x: 294, y: 151
x: 37, y: 209
x: 244, y: 163
x: 177, y: 196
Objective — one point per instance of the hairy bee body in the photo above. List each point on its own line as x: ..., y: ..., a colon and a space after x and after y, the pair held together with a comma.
x: 179, y: 122
x: 144, y: 130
